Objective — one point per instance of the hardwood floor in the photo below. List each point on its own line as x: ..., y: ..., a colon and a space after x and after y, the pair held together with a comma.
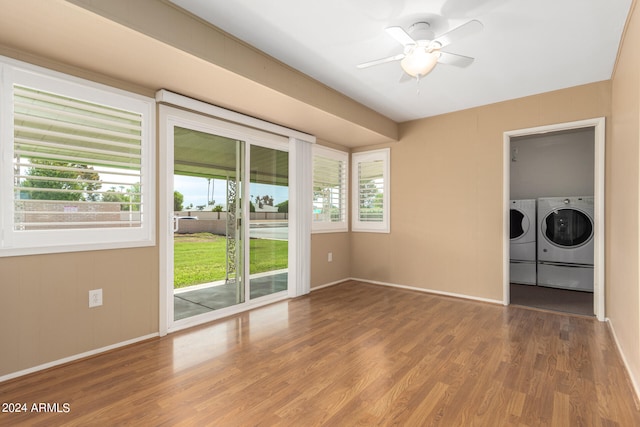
x: 352, y: 354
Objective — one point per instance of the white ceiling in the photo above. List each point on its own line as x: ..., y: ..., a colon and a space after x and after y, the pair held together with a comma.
x: 526, y: 47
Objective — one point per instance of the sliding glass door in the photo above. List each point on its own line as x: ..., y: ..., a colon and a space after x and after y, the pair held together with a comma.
x: 269, y: 221
x: 207, y: 231
x: 228, y: 237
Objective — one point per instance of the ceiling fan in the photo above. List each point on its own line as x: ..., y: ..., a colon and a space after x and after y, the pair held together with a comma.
x: 422, y: 49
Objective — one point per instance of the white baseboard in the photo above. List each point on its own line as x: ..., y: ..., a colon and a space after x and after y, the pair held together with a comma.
x: 326, y: 285
x: 634, y: 383
x: 431, y: 291
x: 75, y: 357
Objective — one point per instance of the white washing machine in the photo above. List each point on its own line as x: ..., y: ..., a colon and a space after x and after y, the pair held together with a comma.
x: 522, y: 242
x: 565, y: 242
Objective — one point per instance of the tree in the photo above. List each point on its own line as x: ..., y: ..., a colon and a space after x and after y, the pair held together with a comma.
x: 133, y: 197
x: 217, y: 208
x: 371, y: 201
x: 283, y: 207
x: 262, y: 201
x: 129, y: 201
x: 369, y: 194
x: 178, y: 200
x: 79, y: 184
x: 114, y: 196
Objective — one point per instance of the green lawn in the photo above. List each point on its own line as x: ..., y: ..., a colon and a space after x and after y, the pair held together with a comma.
x: 201, y: 257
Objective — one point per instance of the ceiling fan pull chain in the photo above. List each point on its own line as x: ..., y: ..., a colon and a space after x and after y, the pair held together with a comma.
x: 418, y: 84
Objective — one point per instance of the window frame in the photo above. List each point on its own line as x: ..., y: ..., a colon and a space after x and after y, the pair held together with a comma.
x: 340, y: 156
x: 29, y: 242
x: 357, y: 225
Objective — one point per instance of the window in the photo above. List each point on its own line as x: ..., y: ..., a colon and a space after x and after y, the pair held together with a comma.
x: 371, y: 191
x: 330, y: 171
x: 77, y: 164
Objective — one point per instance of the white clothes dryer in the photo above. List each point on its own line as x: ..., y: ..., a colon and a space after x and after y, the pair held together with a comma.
x: 522, y: 241
x: 566, y: 230
x: 565, y: 242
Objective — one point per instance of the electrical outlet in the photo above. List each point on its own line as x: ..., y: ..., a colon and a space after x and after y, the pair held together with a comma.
x: 95, y: 298
x: 330, y: 257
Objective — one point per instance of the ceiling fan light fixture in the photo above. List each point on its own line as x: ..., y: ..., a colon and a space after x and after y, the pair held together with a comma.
x: 420, y: 62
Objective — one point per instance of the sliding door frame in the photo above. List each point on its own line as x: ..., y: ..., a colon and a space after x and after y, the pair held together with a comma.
x: 176, y: 109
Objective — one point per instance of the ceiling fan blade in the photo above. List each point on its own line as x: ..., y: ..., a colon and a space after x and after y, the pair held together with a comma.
x: 455, y: 59
x: 400, y: 35
x: 460, y: 32
x: 381, y: 61
x: 406, y: 78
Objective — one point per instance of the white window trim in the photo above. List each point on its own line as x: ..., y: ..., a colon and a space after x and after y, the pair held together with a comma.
x: 383, y: 155
x: 16, y: 243
x: 338, y: 226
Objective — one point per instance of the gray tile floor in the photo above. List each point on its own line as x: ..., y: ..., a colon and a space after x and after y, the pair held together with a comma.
x: 203, y: 300
x: 567, y: 301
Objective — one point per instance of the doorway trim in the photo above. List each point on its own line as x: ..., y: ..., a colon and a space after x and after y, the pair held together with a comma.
x: 599, y: 198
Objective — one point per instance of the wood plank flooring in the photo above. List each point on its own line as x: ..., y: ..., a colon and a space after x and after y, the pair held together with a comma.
x: 349, y: 355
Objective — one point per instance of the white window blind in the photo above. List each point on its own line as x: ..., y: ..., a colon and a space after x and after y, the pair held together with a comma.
x: 371, y: 195
x: 330, y: 171
x: 78, y: 166
x: 371, y: 190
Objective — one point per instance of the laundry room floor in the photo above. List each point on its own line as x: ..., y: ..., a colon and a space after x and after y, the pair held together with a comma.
x: 575, y: 302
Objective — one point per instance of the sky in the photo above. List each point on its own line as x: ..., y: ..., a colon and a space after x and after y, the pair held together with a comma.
x: 194, y: 191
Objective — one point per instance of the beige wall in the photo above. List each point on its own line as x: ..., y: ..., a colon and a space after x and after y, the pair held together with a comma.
x: 322, y: 271
x: 623, y: 163
x: 446, y: 194
x: 44, y: 304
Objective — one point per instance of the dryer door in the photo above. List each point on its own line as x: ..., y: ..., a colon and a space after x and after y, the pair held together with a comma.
x: 567, y: 228
x: 518, y: 224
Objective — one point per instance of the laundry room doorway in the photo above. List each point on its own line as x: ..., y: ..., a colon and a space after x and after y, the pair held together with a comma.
x: 554, y: 217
